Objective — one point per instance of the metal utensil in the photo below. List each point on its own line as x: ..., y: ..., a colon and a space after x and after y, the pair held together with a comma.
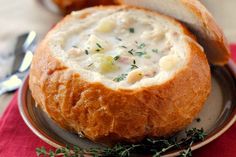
x: 11, y: 83
x: 24, y: 43
x: 23, y: 58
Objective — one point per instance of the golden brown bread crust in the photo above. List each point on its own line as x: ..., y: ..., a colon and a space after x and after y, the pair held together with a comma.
x: 66, y: 6
x: 217, y: 42
x: 103, y: 114
x: 210, y: 37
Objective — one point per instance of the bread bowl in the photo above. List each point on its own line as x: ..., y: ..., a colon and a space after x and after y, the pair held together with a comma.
x: 198, y: 19
x: 102, y: 73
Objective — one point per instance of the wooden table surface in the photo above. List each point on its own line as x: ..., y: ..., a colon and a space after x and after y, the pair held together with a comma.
x: 35, y: 17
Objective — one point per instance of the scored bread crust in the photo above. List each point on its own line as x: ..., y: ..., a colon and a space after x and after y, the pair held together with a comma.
x: 109, y: 115
x: 208, y: 33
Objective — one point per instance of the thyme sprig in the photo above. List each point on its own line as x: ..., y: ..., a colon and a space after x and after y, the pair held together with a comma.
x: 154, y: 147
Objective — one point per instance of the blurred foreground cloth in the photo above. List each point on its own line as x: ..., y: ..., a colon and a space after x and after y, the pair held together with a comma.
x: 17, y: 140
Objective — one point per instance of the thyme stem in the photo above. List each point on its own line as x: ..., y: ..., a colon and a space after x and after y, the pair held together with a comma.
x: 156, y: 147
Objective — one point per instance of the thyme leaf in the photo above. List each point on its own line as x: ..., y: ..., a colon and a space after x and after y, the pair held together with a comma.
x: 120, y: 77
x: 86, y: 52
x: 98, y: 45
x: 142, y: 45
x: 133, y: 66
x: 119, y: 39
x: 90, y: 64
x: 155, y: 50
x: 123, y: 46
x: 116, y: 58
x: 140, y: 53
x: 131, y: 30
x: 131, y: 51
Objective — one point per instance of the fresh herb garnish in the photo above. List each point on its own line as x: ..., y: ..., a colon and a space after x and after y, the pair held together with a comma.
x: 117, y: 38
x: 155, y: 50
x: 140, y: 53
x: 131, y: 51
x: 90, y: 65
x: 123, y: 46
x: 141, y: 46
x: 116, y: 58
x: 98, y: 45
x: 120, y: 77
x: 134, y: 66
x: 86, y: 52
x: 154, y: 147
x: 131, y: 30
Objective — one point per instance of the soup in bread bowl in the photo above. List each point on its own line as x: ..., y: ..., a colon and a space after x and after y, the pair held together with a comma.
x: 120, y: 73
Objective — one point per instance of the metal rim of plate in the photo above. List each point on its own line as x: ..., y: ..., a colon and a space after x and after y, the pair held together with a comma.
x: 228, y: 73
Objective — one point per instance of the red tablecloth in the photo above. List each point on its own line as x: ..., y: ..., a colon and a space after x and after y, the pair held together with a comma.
x: 16, y: 139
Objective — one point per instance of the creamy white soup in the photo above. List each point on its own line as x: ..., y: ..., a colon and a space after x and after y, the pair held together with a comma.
x: 123, y: 48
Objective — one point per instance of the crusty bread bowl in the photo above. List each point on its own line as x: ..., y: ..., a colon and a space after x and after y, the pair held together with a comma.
x: 198, y: 19
x: 120, y: 73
